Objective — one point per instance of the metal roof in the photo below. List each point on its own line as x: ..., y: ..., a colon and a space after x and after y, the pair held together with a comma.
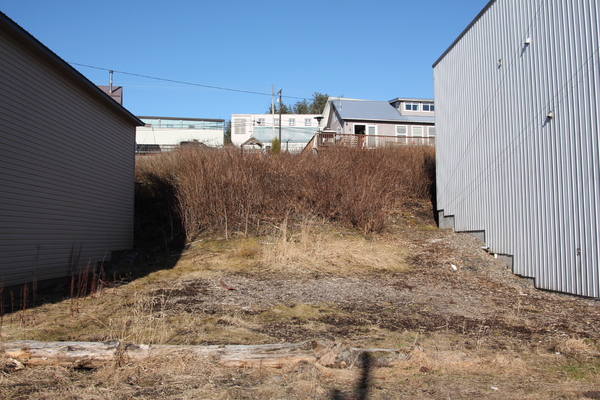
x: 366, y: 110
x: 410, y: 99
x: 27, y: 40
x: 180, y: 119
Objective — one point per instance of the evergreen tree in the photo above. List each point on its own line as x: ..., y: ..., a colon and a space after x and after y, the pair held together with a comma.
x: 227, y: 133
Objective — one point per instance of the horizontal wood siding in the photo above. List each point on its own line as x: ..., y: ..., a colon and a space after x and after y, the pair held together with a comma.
x: 67, y: 165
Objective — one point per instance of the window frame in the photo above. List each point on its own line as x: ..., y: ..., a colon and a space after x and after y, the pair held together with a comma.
x: 398, y: 134
x: 415, y: 127
x: 412, y: 104
x: 430, y: 106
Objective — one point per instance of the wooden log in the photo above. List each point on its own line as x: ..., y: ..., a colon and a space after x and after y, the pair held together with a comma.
x: 93, y: 354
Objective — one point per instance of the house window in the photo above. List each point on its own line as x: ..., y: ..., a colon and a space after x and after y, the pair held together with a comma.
x: 307, y: 121
x: 411, y: 106
x: 260, y: 122
x: 239, y: 126
x: 428, y: 107
x: 401, y: 130
x: 292, y: 121
x: 276, y: 123
x: 431, y: 131
x: 417, y: 131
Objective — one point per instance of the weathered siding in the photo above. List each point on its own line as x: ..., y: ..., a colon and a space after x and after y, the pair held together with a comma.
x: 531, y: 182
x: 66, y: 167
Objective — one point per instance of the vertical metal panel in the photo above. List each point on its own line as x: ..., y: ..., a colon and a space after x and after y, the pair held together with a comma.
x: 531, y: 182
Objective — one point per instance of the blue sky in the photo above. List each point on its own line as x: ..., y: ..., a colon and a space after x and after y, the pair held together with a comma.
x: 376, y: 50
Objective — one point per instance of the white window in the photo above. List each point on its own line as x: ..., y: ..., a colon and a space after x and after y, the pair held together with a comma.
x: 428, y: 107
x: 276, y: 123
x: 307, y: 121
x: 239, y: 126
x: 292, y: 121
x: 431, y: 131
x: 411, y: 106
x: 417, y: 131
x: 401, y: 130
x: 260, y: 122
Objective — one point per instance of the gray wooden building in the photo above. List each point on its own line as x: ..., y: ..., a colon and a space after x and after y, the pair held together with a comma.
x: 66, y: 165
x: 517, y: 117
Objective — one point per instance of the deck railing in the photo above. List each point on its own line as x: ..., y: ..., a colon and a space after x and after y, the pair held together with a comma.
x: 330, y: 139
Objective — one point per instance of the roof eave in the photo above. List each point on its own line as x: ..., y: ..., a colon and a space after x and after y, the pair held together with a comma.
x: 463, y: 33
x: 34, y: 45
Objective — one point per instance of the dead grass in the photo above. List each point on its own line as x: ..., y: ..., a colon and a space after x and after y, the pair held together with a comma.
x: 229, y: 193
x: 172, y: 307
x: 318, y: 250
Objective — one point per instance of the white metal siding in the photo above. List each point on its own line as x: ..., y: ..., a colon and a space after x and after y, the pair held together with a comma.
x: 169, y: 136
x: 66, y: 167
x: 531, y: 183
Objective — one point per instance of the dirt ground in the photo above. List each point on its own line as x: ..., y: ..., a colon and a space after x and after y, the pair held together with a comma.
x: 469, y: 328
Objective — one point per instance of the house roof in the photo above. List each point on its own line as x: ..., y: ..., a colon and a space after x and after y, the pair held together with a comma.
x: 366, y: 110
x: 410, y: 99
x: 25, y: 39
x: 179, y: 119
x: 463, y: 33
x: 252, y: 142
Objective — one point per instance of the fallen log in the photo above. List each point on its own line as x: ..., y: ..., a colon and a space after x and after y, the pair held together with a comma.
x: 94, y: 354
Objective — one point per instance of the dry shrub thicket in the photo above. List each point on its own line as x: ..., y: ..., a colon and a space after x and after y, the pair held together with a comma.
x: 227, y: 191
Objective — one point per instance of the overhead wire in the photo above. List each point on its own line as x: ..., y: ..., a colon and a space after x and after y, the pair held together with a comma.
x: 184, y: 82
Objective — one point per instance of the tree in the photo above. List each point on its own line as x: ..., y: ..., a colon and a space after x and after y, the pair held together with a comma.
x: 284, y: 109
x: 227, y: 133
x: 275, y: 146
x: 301, y: 107
x: 317, y: 104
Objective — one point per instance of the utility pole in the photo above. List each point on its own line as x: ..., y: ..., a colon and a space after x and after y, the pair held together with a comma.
x: 280, y: 105
x: 273, y: 110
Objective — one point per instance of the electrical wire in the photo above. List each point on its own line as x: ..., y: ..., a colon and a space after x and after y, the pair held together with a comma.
x: 184, y: 82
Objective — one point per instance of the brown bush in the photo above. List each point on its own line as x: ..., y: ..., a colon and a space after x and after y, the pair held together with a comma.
x: 229, y: 191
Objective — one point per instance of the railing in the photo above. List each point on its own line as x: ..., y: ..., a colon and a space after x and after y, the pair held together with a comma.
x: 155, y: 148
x: 330, y: 140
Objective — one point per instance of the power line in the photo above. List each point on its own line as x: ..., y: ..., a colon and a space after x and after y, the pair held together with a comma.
x: 184, y: 82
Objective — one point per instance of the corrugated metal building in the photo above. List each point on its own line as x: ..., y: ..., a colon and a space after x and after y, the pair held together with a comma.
x: 517, y: 98
x: 66, y: 165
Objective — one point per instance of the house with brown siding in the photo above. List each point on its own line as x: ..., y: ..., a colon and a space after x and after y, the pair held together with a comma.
x: 370, y: 124
x: 66, y: 165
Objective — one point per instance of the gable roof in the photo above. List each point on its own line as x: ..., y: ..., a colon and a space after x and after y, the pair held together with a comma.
x: 26, y: 40
x: 252, y: 142
x: 367, y: 110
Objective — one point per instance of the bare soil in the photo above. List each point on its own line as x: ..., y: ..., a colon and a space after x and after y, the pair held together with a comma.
x: 470, y: 328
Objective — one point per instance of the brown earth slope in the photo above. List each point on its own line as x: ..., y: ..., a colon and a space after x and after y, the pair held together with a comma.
x: 470, y: 329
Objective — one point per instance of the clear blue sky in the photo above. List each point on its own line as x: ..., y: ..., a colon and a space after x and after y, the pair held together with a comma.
x: 374, y: 50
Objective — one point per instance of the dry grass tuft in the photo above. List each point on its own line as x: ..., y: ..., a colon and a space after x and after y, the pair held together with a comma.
x: 314, y: 250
